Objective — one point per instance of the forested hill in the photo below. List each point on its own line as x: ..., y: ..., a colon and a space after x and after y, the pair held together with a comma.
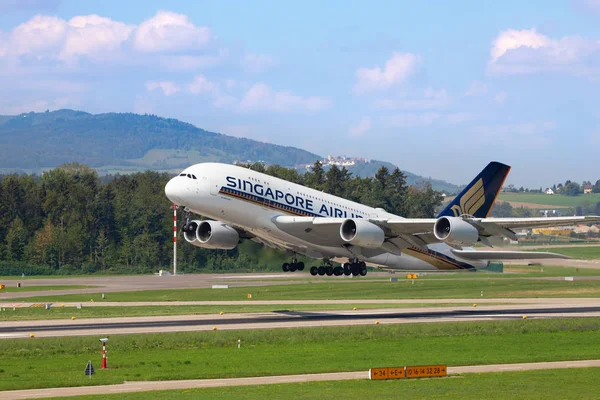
x: 45, y: 140
x: 126, y: 143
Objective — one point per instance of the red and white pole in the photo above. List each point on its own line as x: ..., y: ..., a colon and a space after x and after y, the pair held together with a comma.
x: 174, y: 239
x: 104, y: 355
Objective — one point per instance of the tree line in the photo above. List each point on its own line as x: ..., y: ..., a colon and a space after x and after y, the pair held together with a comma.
x: 70, y: 221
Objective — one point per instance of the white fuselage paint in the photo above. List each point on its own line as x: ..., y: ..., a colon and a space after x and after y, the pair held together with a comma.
x: 215, y: 193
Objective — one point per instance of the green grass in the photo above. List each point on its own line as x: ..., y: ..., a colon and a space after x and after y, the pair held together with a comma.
x: 582, y: 253
x: 56, y: 312
x: 24, y: 288
x: 516, y: 272
x: 51, y: 362
x: 577, y: 383
x: 554, y: 200
x: 403, y: 289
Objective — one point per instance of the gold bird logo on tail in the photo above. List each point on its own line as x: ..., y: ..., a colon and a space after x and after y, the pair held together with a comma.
x: 471, y: 201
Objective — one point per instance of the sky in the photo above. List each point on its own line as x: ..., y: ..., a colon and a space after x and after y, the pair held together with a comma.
x: 438, y: 88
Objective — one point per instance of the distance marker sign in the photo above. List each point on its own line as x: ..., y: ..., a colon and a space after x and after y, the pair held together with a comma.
x: 425, y: 371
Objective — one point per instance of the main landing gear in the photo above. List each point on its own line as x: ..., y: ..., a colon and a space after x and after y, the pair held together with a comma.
x: 354, y: 268
x: 295, y: 265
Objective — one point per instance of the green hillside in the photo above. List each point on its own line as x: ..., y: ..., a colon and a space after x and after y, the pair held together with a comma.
x: 550, y: 200
x: 370, y: 168
x: 45, y: 140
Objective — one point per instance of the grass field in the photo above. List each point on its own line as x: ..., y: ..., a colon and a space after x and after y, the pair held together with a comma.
x: 38, y: 363
x: 555, y: 200
x: 582, y: 253
x: 525, y: 385
x: 404, y: 289
x: 39, y: 313
x: 24, y: 288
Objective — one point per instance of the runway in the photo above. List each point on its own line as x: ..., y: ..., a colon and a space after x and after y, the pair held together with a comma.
x: 287, y: 319
x: 145, y: 386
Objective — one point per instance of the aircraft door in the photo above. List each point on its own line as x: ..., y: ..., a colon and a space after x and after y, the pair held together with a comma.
x: 214, y: 188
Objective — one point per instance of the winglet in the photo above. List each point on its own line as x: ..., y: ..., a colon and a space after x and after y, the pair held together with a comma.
x: 477, y: 199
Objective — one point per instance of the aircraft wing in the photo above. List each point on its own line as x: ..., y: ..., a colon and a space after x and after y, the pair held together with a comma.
x: 505, y: 255
x: 416, y: 232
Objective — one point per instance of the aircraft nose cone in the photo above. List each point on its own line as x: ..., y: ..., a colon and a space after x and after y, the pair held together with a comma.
x: 174, y: 190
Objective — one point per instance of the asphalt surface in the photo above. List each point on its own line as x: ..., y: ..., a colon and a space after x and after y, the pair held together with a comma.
x: 145, y: 386
x: 286, y: 319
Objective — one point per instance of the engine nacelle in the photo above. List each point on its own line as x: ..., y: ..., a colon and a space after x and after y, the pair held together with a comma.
x: 359, y: 232
x: 211, y: 235
x: 455, y: 230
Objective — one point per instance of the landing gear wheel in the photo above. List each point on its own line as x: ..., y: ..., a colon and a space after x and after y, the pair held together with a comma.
x: 300, y: 266
x: 321, y: 270
x: 285, y: 267
x: 337, y: 271
x: 363, y: 269
x: 293, y: 267
x: 314, y: 271
x: 329, y: 270
x: 347, y: 269
x: 355, y: 268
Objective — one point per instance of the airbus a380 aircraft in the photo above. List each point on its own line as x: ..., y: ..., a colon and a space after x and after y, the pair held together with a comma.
x: 245, y: 204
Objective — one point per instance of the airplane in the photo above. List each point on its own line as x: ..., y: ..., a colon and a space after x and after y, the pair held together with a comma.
x: 245, y: 204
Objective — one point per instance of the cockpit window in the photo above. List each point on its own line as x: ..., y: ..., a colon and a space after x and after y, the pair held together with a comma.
x: 193, y: 176
x: 181, y: 174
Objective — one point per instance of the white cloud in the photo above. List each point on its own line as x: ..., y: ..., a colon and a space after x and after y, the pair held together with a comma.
x: 257, y: 62
x: 527, y: 51
x: 52, y: 37
x: 261, y: 97
x: 170, y: 32
x: 171, y: 37
x: 396, y: 70
x: 201, y: 85
x: 168, y: 88
x: 512, y: 39
x: 94, y: 35
x: 363, y: 126
x: 476, y: 88
x: 500, y: 97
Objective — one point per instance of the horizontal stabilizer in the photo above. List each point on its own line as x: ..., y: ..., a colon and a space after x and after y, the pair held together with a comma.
x: 505, y: 255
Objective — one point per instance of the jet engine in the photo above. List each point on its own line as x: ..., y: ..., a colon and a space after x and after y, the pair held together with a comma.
x: 455, y: 230
x: 362, y: 233
x: 211, y: 235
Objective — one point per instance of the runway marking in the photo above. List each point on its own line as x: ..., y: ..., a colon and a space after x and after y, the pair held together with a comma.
x: 145, y: 386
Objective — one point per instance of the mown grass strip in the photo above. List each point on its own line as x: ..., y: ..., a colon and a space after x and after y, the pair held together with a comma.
x: 38, y: 363
x: 583, y: 253
x: 12, y: 288
x: 525, y: 385
x: 403, y: 289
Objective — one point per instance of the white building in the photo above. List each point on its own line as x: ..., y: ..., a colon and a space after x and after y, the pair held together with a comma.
x: 549, y: 191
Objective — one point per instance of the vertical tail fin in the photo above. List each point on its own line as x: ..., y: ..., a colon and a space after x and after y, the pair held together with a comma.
x: 477, y: 199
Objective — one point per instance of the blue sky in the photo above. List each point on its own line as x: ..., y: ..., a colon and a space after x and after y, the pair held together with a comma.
x: 437, y: 88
